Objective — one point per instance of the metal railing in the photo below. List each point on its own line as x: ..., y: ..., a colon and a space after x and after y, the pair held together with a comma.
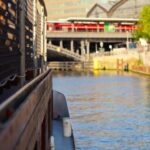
x: 65, y: 52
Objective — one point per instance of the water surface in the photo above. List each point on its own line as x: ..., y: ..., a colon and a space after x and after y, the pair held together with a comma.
x: 109, y: 110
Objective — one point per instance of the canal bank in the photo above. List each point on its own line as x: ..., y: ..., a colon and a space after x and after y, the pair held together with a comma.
x: 138, y: 62
x: 134, y: 61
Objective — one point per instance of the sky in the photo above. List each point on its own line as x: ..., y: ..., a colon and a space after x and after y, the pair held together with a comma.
x: 104, y: 1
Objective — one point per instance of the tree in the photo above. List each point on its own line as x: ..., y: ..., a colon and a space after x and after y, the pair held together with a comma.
x: 143, y: 30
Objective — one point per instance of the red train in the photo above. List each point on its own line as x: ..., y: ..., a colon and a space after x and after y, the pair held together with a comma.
x: 93, y: 24
x: 58, y: 27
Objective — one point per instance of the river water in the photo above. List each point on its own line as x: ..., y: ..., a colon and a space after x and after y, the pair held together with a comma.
x: 109, y: 110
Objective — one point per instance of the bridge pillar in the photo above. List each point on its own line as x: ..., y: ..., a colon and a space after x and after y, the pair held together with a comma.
x: 82, y: 47
x: 61, y: 43
x: 49, y: 42
x: 127, y: 42
x: 96, y: 47
x: 88, y: 49
x: 72, y: 45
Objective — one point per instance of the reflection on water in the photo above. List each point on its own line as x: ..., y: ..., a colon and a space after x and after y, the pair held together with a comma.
x: 109, y: 110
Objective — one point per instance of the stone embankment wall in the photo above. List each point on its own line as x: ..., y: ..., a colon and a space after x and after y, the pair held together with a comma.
x: 135, y: 61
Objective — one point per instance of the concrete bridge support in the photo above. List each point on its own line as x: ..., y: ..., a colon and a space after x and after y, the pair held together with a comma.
x: 61, y: 43
x: 50, y: 42
x: 72, y: 45
x: 88, y: 49
x: 82, y: 47
x: 96, y: 47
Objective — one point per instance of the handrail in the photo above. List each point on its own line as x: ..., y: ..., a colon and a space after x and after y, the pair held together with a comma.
x: 19, y: 128
x: 15, y: 100
x: 65, y: 51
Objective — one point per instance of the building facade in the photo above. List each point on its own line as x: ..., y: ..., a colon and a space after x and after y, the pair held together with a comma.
x: 62, y: 9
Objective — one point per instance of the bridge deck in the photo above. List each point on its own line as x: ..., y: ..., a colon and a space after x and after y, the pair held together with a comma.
x: 97, y: 35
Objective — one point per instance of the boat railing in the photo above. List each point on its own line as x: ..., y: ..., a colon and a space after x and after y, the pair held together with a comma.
x: 22, y: 114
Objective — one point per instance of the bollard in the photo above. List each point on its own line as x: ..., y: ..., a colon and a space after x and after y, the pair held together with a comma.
x: 52, y: 143
x: 67, y: 127
x: 126, y: 67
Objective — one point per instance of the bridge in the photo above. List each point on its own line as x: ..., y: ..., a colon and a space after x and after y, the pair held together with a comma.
x: 91, y: 36
x: 79, y: 45
x: 88, y: 35
x: 56, y: 53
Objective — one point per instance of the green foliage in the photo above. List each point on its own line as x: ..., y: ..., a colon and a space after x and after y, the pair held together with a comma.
x: 138, y: 33
x: 143, y: 30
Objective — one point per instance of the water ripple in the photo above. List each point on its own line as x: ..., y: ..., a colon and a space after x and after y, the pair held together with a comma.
x: 108, y: 112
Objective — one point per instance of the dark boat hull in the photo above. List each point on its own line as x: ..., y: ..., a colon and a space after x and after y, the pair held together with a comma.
x: 60, y: 111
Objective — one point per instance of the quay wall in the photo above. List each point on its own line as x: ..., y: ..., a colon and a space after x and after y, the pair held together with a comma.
x: 135, y: 61
x: 127, y: 60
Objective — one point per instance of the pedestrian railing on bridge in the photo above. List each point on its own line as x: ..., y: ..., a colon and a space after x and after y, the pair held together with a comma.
x: 65, y: 51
